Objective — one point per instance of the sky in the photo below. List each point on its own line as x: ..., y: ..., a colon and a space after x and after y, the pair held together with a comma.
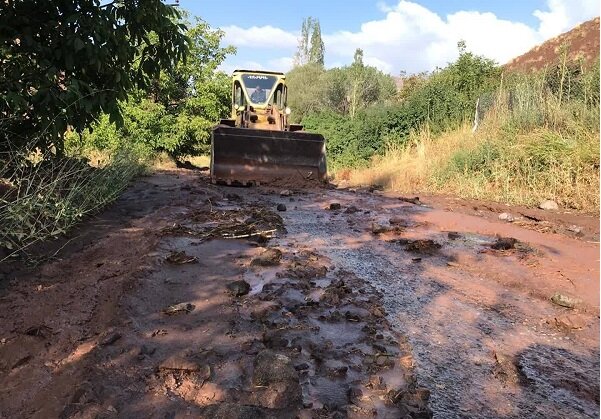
x: 396, y: 36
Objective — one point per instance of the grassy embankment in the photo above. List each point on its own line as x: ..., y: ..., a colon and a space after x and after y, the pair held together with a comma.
x: 530, y: 145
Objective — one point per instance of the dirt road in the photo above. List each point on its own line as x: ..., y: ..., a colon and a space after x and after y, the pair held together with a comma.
x: 191, y: 300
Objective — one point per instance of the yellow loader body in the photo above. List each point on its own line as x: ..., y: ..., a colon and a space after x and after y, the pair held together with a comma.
x: 257, y: 144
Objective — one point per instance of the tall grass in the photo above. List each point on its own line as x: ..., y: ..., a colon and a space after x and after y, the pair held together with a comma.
x: 43, y: 196
x: 531, y: 144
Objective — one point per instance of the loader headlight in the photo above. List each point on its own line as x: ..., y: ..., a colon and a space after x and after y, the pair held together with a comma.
x: 237, y: 107
x: 287, y: 111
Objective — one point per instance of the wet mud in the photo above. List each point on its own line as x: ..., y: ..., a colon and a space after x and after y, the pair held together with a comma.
x: 210, y: 301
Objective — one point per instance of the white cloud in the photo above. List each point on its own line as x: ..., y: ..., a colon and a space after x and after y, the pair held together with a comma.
x: 282, y: 64
x: 229, y: 67
x: 413, y: 38
x: 565, y: 14
x: 264, y: 37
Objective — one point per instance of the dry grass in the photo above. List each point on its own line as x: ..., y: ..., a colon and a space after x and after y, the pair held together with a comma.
x: 524, y: 168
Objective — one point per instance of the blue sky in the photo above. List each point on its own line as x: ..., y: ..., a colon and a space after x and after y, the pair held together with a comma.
x: 396, y: 36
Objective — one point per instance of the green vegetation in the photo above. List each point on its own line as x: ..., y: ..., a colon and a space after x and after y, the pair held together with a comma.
x: 89, y: 92
x: 537, y: 138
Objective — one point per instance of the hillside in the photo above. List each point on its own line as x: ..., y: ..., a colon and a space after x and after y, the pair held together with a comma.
x: 583, y: 42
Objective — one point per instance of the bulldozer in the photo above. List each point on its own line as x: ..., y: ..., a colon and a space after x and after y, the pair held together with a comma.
x: 258, y: 144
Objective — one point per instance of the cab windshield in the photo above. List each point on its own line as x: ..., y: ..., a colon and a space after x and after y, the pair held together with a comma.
x: 258, y: 87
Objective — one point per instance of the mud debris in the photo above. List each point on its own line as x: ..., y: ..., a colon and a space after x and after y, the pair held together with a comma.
x: 422, y: 246
x: 270, y: 257
x: 281, y: 207
x: 565, y: 300
x: 334, y: 206
x: 238, y: 288
x: 179, y: 309
x: 506, y: 216
x: 504, y: 243
x: 180, y: 258
x: 549, y: 205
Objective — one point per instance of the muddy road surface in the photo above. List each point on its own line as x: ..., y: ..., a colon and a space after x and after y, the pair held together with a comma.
x: 186, y: 299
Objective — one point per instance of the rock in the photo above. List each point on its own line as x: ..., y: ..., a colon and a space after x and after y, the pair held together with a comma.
x: 277, y: 375
x: 571, y: 322
x: 228, y: 410
x: 238, y: 288
x: 396, y: 220
x: 179, y: 308
x: 270, y: 257
x: 376, y: 383
x: 177, y: 363
x: 302, y: 367
x: 354, y: 395
x: 575, y: 229
x: 180, y: 258
x: 377, y: 228
x: 281, y: 207
x: 335, y: 206
x: 549, y: 205
x: 285, y: 192
x: 504, y: 243
x: 110, y: 339
x: 147, y: 350
x: 351, y: 210
x: 505, y: 216
x: 453, y: 235
x: 565, y: 301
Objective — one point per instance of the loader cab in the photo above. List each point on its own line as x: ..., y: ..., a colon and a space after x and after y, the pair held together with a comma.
x: 259, y: 89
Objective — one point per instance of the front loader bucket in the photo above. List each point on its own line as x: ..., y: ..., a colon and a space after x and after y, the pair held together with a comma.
x: 245, y: 155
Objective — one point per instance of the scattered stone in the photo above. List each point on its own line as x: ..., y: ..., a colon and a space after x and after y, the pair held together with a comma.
x: 176, y: 363
x: 281, y: 207
x: 425, y: 246
x: 22, y: 361
x: 277, y: 375
x: 452, y: 264
x: 110, y: 339
x: 270, y: 257
x: 335, y: 206
x: 285, y: 192
x: 571, y: 322
x: 147, y: 350
x: 504, y: 243
x: 238, y: 288
x: 351, y: 210
x: 338, y: 372
x: 505, y: 216
x: 377, y: 312
x: 302, y: 367
x: 549, y: 205
x: 453, y: 235
x: 228, y: 410
x: 377, y: 228
x: 41, y: 331
x: 180, y: 258
x: 376, y: 382
x: 415, y: 200
x: 565, y: 301
x: 354, y: 395
x: 179, y: 308
x: 575, y: 229
x: 416, y: 260
x: 396, y: 220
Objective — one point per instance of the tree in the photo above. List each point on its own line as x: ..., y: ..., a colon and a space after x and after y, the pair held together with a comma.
x: 65, y: 63
x: 302, y: 53
x: 184, y: 103
x: 316, y: 54
x: 310, y: 50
